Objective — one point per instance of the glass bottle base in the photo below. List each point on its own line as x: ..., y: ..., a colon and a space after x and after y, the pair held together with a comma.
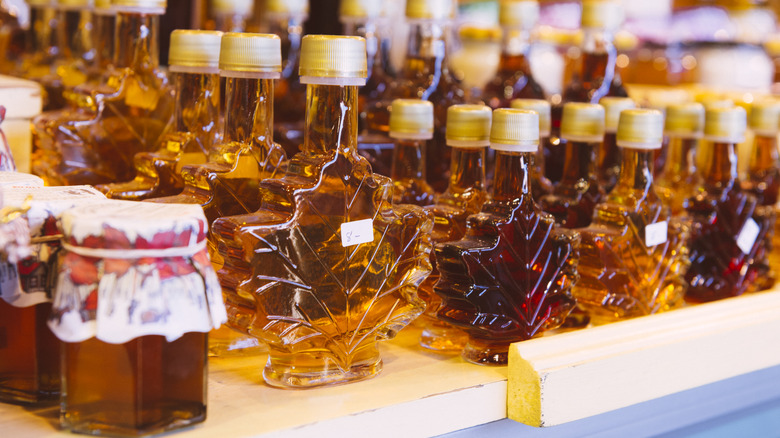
x: 442, y: 337
x: 486, y: 353
x: 172, y: 417
x: 291, y: 375
x: 9, y: 394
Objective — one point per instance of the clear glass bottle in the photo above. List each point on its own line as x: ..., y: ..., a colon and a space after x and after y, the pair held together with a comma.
x: 194, y: 62
x: 341, y: 262
x: 514, y: 79
x: 411, y: 125
x: 731, y: 231
x: 45, y: 41
x: 633, y: 256
x: 608, y: 159
x: 679, y: 178
x: 231, y: 15
x: 468, y: 134
x: 509, y: 278
x: 79, y: 50
x: 540, y: 184
x: 578, y: 192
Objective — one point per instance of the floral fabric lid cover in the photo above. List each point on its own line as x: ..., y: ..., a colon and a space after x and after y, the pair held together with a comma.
x: 133, y: 269
x: 30, y: 281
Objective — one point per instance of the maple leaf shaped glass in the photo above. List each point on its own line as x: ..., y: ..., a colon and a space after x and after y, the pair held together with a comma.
x: 731, y: 231
x: 328, y: 266
x: 127, y: 115
x: 509, y: 278
x: 540, y: 184
x: 633, y: 256
x: 468, y: 133
x: 411, y: 125
x: 227, y: 184
x: 194, y: 61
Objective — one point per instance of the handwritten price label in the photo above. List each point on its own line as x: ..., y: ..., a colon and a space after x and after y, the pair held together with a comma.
x: 747, y: 237
x: 357, y: 232
x: 655, y: 234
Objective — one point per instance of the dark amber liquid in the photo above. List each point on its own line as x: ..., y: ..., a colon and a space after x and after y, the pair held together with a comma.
x: 29, y: 355
x: 147, y: 385
x: 512, y: 81
x: 608, y: 164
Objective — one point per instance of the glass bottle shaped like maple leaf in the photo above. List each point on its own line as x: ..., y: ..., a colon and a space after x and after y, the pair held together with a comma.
x: 328, y: 266
x: 633, y: 256
x: 731, y: 231
x: 510, y: 277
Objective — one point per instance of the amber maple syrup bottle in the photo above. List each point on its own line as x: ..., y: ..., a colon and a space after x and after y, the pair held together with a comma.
x: 578, y: 192
x: 194, y: 61
x: 46, y: 40
x: 540, y: 184
x: 328, y: 266
x: 509, y: 278
x: 679, y: 178
x: 608, y: 159
x: 731, y: 230
x: 411, y: 125
x: 514, y: 79
x: 633, y: 257
x: 79, y: 50
x: 468, y: 134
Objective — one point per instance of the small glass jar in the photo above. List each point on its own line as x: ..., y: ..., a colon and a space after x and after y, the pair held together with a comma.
x: 29, y: 352
x: 136, y: 296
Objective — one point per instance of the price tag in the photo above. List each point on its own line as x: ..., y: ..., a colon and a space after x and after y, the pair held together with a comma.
x: 655, y: 234
x: 357, y: 232
x: 747, y: 237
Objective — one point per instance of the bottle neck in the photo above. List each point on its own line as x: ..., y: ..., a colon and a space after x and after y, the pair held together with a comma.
x: 135, y: 41
x: 517, y: 42
x: 765, y: 155
x: 290, y: 30
x: 598, y: 56
x: 636, y: 170
x: 722, y: 167
x: 467, y: 169
x: 512, y: 179
x: 196, y: 108
x: 427, y: 49
x: 579, y: 161
x: 680, y: 156
x: 408, y: 160
x: 230, y: 22
x: 249, y: 114
x: 103, y: 32
x: 331, y: 119
x: 78, y: 32
x: 44, y: 25
x: 369, y: 30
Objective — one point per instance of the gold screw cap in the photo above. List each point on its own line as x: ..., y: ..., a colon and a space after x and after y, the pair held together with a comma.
x: 243, y: 8
x: 613, y: 106
x: 411, y: 119
x: 287, y: 7
x: 725, y: 125
x: 468, y: 126
x: 194, y: 51
x: 542, y: 107
x: 430, y: 9
x: 583, y: 122
x: 685, y: 120
x: 75, y: 4
x: 250, y: 55
x: 640, y: 129
x: 360, y: 8
x: 765, y: 118
x: 515, y: 130
x: 141, y: 6
x: 41, y: 3
x: 601, y: 14
x: 333, y: 60
x: 521, y: 14
x: 103, y: 4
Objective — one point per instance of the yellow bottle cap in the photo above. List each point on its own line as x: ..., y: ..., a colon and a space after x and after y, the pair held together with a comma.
x: 103, y: 4
x: 468, y: 126
x: 41, y: 3
x: 685, y: 120
x: 725, y: 125
x: 515, y: 130
x: 430, y: 9
x: 255, y: 55
x: 772, y: 45
x: 765, y: 118
x: 141, y: 6
x: 75, y: 4
x: 333, y: 60
x: 411, y: 119
x: 640, y: 129
x: 521, y: 14
x: 613, y: 106
x: 243, y: 8
x: 360, y: 8
x: 287, y: 7
x: 194, y: 51
x: 583, y: 122
x: 601, y: 14
x: 542, y: 107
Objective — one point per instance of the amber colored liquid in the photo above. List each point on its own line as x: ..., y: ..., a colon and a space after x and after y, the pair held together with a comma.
x: 289, y: 93
x: 540, y: 184
x: 144, y: 386
x: 29, y: 355
x: 512, y: 81
x: 408, y: 174
x: 679, y: 179
x: 608, y: 162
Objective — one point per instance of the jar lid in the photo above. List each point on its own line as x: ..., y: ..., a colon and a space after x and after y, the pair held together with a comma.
x: 155, y: 7
x: 132, y: 269
x: 251, y: 55
x: 244, y: 8
x: 75, y: 4
x: 685, y: 120
x: 468, y: 126
x: 287, y: 7
x: 515, y: 130
x: 194, y: 51
x: 360, y: 8
x: 333, y: 60
x: 613, y: 106
x: 521, y: 14
x: 765, y: 117
x: 640, y: 129
x: 411, y: 119
x: 583, y: 122
x: 601, y: 14
x: 725, y: 125
x: 19, y: 179
x: 430, y: 9
x: 542, y: 107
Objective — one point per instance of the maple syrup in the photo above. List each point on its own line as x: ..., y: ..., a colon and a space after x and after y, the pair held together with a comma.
x: 328, y: 265
x: 231, y: 15
x: 509, y: 278
x: 608, y: 159
x: 46, y: 39
x: 679, y: 178
x: 411, y: 125
x: 468, y: 134
x: 540, y: 184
